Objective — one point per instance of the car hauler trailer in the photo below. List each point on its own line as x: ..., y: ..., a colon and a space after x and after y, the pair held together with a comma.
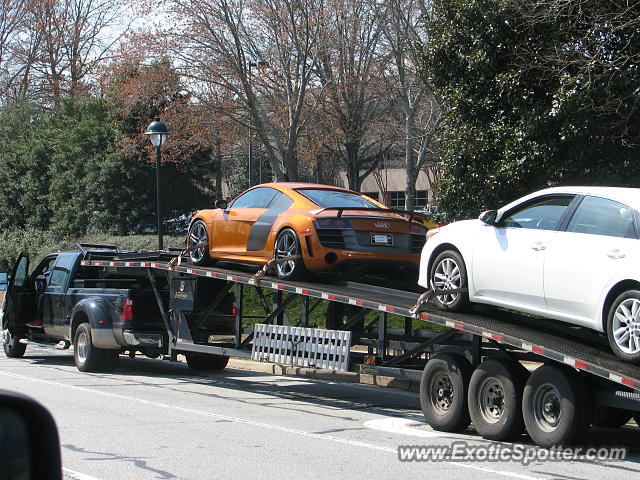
x: 477, y: 368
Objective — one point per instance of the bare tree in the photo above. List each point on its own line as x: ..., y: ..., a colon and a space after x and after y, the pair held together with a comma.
x: 61, y: 43
x: 403, y: 35
x: 263, y: 53
x: 350, y: 73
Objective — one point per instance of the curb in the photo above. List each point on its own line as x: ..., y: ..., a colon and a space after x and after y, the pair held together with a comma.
x: 328, y: 375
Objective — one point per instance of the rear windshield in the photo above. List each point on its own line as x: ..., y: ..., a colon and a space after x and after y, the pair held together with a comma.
x: 337, y: 199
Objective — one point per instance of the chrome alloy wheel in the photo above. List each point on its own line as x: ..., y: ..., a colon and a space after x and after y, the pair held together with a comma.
x: 626, y: 326
x: 6, y: 337
x: 446, y: 276
x: 197, y: 235
x: 547, y: 407
x: 441, y: 392
x: 491, y: 400
x: 82, y: 346
x: 286, y: 246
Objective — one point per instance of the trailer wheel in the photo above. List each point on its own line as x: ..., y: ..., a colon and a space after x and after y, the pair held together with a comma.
x: 449, y: 272
x: 288, y: 245
x: 610, y: 417
x: 206, y: 363
x: 623, y: 326
x: 198, y: 234
x: 89, y: 358
x: 556, y: 406
x: 495, y: 399
x: 12, y: 346
x: 443, y: 392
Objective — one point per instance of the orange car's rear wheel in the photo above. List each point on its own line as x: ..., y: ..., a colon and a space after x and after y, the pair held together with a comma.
x: 288, y: 245
x: 197, y: 235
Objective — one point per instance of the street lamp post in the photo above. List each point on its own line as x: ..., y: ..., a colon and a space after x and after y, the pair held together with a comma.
x: 259, y: 64
x: 157, y: 132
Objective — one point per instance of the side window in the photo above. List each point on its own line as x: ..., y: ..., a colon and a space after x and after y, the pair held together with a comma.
x: 21, y: 274
x: 599, y: 216
x: 541, y: 214
x: 256, y: 198
x: 56, y: 280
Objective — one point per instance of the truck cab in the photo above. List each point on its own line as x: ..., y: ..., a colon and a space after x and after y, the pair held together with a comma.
x: 62, y: 303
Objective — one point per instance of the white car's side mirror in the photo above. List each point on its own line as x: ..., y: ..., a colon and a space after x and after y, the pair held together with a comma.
x: 489, y: 217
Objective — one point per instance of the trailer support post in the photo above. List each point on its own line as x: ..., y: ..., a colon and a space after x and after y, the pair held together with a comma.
x: 382, y: 336
x: 305, y: 312
x: 239, y: 303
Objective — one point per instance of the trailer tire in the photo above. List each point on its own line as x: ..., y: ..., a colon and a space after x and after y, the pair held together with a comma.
x: 206, y: 363
x: 445, y: 266
x: 495, y: 399
x: 628, y: 352
x: 198, y: 234
x: 89, y: 358
x: 12, y: 346
x: 610, y: 417
x: 443, y: 392
x: 556, y: 406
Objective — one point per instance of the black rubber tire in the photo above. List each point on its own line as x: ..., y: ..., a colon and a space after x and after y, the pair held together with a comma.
x: 453, y: 417
x: 93, y: 359
x: 627, y: 357
x: 13, y: 348
x: 339, y: 313
x: 610, y: 417
x: 299, y: 271
x: 569, y: 393
x: 461, y: 303
x: 207, y: 363
x: 509, y: 379
x: 206, y: 258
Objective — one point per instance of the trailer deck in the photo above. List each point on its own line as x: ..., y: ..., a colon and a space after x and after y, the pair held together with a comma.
x: 524, y: 334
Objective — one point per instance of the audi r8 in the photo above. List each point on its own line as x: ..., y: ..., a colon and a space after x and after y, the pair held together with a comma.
x: 318, y: 228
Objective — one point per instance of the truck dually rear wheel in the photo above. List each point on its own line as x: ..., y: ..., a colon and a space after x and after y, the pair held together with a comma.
x: 89, y: 358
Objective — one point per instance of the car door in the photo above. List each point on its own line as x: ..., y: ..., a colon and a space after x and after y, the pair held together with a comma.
x: 18, y: 307
x: 232, y: 228
x: 600, y: 240
x: 54, y: 302
x: 508, y: 258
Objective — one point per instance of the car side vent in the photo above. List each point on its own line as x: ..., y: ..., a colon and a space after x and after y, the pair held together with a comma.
x: 416, y: 242
x: 331, y: 238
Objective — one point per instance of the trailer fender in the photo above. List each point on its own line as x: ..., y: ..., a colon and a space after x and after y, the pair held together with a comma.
x: 99, y: 314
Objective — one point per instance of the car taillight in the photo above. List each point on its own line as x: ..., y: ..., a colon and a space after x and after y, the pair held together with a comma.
x: 332, y: 223
x: 417, y: 229
x: 127, y: 310
x: 234, y: 310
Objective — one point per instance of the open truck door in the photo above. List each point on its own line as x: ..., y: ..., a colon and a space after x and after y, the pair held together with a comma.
x: 17, y: 307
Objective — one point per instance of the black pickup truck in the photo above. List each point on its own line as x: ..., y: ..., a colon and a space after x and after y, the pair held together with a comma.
x: 101, y: 313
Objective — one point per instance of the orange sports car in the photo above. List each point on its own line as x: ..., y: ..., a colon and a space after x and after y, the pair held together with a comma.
x: 322, y: 227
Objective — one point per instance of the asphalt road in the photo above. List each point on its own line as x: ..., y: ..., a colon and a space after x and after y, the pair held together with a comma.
x: 156, y: 420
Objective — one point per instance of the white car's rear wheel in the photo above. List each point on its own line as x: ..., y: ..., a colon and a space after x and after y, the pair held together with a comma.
x: 448, y: 272
x: 623, y: 326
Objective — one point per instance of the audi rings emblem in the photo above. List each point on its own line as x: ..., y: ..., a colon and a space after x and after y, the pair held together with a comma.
x: 382, y: 225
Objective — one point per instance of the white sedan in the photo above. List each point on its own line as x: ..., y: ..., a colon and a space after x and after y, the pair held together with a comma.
x: 567, y: 253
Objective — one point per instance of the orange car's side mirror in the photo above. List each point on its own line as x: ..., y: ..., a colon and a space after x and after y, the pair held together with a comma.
x: 222, y: 204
